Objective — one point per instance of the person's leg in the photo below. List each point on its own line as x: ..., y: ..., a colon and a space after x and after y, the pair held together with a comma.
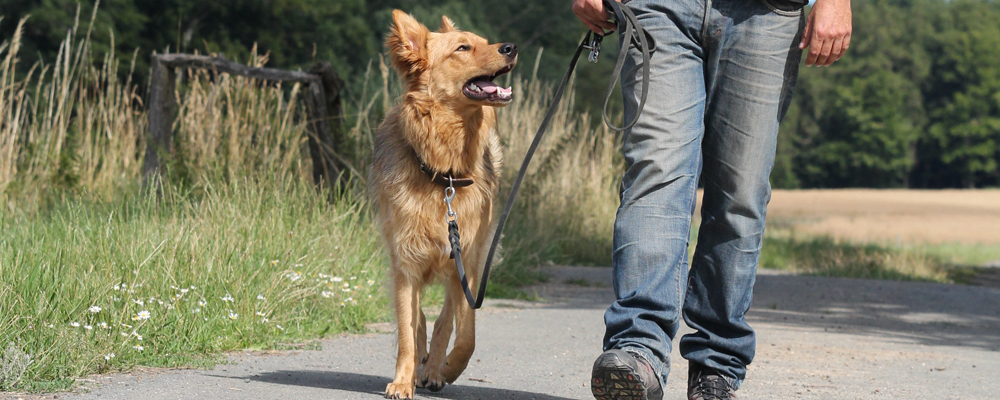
x: 662, y: 154
x: 751, y: 66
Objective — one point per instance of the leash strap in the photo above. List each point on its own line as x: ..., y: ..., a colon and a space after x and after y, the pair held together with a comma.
x: 631, y: 32
x: 637, y: 36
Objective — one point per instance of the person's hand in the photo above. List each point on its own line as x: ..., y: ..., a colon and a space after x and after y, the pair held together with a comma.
x: 592, y: 14
x: 827, y: 33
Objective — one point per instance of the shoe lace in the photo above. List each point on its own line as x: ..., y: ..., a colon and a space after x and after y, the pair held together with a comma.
x: 711, y: 387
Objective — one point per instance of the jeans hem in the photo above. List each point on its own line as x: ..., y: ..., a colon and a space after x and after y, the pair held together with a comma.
x: 649, y: 361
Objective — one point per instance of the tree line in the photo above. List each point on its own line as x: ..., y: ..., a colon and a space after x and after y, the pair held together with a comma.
x: 914, y: 103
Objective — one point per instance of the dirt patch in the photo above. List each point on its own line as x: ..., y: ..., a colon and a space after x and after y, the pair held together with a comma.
x: 890, y: 216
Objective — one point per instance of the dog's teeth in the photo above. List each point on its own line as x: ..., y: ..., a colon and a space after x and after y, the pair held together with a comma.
x: 474, y: 87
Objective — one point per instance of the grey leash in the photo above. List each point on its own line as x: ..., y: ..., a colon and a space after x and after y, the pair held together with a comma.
x: 634, y: 34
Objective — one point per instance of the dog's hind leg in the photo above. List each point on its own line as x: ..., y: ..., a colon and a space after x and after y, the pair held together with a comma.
x: 429, y: 373
x: 465, y: 327
x: 407, y: 315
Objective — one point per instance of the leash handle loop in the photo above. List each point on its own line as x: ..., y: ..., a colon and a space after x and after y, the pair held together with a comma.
x: 631, y: 32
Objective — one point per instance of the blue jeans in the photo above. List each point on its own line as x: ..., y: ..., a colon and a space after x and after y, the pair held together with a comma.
x: 721, y: 79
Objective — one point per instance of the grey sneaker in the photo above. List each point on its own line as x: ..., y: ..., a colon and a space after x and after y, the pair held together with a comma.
x: 622, y: 375
x: 707, y: 384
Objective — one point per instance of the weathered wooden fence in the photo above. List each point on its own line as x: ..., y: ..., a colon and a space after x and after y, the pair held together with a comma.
x: 322, y: 103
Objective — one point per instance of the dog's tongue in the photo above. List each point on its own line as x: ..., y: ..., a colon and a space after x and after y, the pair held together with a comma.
x: 491, y: 88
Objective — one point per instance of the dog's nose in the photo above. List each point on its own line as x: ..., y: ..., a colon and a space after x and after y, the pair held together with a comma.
x: 508, y: 49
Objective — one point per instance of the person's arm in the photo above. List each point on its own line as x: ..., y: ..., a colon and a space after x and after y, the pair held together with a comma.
x: 827, y: 33
x: 592, y: 14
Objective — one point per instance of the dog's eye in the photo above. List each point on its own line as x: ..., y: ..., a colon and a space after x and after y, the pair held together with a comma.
x: 463, y: 47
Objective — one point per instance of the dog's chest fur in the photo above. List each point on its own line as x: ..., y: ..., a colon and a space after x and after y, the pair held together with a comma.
x: 411, y: 207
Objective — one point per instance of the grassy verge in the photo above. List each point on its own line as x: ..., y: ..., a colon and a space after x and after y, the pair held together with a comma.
x: 825, y: 256
x: 89, y: 288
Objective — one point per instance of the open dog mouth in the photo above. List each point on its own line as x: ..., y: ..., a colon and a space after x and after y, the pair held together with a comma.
x: 483, y: 88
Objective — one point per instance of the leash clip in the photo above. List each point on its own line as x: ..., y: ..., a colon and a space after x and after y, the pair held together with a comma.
x: 594, y: 47
x: 449, y: 196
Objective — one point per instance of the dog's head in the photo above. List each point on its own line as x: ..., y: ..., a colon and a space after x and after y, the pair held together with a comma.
x: 453, y: 66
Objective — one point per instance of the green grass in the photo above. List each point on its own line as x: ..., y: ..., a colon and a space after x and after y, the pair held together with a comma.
x: 241, y: 267
x: 825, y: 256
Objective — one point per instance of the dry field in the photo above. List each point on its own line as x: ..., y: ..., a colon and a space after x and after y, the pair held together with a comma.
x: 891, y: 216
x: 913, y: 217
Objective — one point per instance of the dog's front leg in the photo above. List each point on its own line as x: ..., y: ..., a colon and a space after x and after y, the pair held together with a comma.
x: 465, y: 327
x: 407, y: 315
x: 429, y: 373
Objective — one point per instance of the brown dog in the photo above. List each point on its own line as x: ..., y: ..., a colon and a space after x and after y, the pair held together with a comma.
x: 443, y: 127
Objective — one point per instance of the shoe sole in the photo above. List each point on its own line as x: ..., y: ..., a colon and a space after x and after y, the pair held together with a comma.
x: 612, y: 379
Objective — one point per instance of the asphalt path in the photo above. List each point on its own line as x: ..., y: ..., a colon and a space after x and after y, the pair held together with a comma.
x: 822, y: 338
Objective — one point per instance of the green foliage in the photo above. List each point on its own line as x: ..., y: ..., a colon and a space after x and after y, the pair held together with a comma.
x: 293, y: 33
x: 914, y: 103
x: 964, y: 134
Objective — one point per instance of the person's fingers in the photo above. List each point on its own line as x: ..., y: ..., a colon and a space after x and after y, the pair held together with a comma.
x: 591, y: 13
x: 806, y: 34
x: 599, y: 17
x: 608, y: 25
x: 596, y: 29
x: 824, y: 52
x: 815, y: 46
x: 836, y: 51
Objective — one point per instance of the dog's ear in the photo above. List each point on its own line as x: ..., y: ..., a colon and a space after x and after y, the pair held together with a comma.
x: 407, y: 43
x: 447, y: 25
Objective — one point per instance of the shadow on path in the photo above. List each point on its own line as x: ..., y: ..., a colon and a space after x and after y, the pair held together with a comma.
x: 375, y: 385
x: 927, y: 313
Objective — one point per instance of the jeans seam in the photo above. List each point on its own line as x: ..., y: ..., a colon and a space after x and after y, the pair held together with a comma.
x: 704, y: 24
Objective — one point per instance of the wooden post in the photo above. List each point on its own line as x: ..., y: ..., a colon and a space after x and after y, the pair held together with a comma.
x: 323, y: 88
x: 162, y: 106
x: 324, y: 127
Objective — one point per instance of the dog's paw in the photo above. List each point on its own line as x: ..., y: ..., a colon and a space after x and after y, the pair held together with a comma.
x: 430, y: 378
x: 451, y: 371
x: 399, y: 391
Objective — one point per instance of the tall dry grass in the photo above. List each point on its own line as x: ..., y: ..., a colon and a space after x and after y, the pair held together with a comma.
x: 570, y: 194
x: 76, y: 126
x: 232, y: 127
x: 73, y: 124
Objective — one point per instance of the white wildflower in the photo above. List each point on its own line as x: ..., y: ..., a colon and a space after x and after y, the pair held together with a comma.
x: 261, y: 297
x: 338, y: 279
x: 233, y: 315
x: 94, y: 309
x: 88, y: 327
x: 74, y: 324
x: 138, y: 347
x: 228, y: 298
x: 142, y: 316
x: 109, y: 356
